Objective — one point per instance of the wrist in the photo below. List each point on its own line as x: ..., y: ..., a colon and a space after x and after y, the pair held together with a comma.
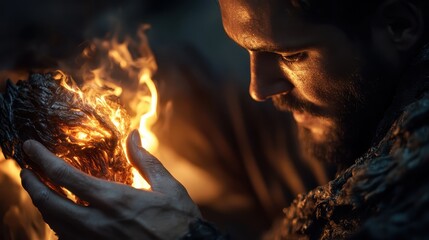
x: 200, y: 229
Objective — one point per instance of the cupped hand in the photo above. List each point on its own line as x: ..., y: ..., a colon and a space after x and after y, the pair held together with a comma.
x: 115, y: 211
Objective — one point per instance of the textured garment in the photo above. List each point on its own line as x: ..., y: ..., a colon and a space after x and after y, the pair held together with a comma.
x: 385, y: 194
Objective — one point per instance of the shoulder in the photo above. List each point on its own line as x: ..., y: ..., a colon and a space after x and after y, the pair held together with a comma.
x: 395, y: 186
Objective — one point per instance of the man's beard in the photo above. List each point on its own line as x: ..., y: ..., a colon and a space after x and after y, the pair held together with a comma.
x: 342, y: 143
x: 354, y: 124
x: 335, y: 150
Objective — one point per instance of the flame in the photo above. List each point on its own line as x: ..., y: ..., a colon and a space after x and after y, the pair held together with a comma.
x: 134, y: 62
x: 149, y: 140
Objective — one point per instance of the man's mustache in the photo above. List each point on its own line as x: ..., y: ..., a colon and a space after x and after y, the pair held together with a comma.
x: 291, y: 103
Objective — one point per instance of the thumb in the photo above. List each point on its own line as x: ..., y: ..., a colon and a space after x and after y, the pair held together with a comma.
x: 147, y: 165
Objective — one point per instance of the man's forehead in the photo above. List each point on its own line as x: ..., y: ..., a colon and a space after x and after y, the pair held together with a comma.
x: 250, y: 21
x: 244, y: 9
x: 256, y: 3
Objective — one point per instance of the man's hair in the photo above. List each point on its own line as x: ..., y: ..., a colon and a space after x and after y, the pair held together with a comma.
x: 352, y: 16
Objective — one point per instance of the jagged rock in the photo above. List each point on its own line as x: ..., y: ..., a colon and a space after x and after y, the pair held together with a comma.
x: 42, y: 109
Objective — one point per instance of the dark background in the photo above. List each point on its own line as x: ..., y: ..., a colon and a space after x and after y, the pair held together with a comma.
x: 39, y: 33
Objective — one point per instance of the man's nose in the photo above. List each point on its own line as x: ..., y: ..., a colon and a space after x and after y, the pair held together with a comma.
x: 267, y: 78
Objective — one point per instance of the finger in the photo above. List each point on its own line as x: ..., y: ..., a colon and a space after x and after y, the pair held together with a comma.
x: 54, y: 208
x: 84, y: 186
x: 147, y: 165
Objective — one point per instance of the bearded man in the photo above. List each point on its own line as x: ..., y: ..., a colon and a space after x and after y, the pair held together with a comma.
x: 354, y: 74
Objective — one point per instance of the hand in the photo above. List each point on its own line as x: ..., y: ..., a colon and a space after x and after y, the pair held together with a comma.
x: 115, y: 211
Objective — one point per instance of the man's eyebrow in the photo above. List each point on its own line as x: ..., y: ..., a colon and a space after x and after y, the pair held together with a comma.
x: 253, y: 45
x: 275, y: 48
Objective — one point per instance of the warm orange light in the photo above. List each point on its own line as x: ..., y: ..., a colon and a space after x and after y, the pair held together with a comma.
x: 100, y: 85
x: 81, y: 135
x: 149, y: 140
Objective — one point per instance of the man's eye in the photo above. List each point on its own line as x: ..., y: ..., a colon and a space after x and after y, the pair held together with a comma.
x: 296, y: 57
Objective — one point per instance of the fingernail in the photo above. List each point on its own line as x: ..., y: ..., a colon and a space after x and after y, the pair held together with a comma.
x: 29, y: 153
x: 136, y: 138
x: 26, y: 147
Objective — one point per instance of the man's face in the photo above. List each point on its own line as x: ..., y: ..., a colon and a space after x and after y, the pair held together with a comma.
x: 315, y: 71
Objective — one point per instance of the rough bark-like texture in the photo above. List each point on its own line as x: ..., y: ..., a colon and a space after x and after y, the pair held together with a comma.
x: 42, y: 109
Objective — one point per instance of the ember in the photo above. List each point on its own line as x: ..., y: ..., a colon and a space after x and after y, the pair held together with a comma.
x: 85, y: 132
x: 87, y: 126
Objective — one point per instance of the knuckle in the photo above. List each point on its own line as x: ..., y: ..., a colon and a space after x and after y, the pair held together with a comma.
x: 178, y: 189
x: 41, y: 198
x: 115, y: 198
x: 107, y: 229
x: 59, y: 172
x: 155, y: 167
x: 153, y: 162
